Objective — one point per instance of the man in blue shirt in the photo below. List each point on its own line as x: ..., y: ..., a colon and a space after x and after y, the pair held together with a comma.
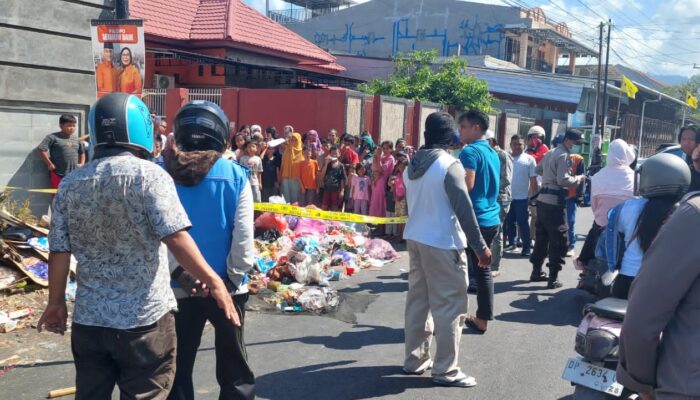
x: 482, y: 170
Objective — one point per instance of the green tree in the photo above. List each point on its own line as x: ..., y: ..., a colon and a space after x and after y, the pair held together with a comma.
x: 682, y: 90
x: 417, y: 76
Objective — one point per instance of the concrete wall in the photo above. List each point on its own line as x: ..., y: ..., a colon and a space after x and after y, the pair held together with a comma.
x: 45, y: 70
x: 381, y: 28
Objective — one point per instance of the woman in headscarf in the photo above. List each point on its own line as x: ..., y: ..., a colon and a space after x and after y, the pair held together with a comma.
x: 611, y: 186
x: 314, y: 143
x: 289, y: 170
x: 382, y: 168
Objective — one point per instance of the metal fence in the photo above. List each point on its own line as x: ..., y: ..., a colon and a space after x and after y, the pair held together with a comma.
x: 155, y: 100
x: 213, y: 95
x: 656, y: 132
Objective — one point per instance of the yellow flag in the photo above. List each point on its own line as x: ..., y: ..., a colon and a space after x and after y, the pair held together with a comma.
x: 628, y: 87
x: 692, y: 101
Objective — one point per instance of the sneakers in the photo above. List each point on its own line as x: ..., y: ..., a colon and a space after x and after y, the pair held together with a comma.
x: 526, y: 253
x: 570, y: 253
x: 461, y: 380
x: 554, y: 284
x: 510, y: 247
x: 420, y: 371
x: 538, y: 277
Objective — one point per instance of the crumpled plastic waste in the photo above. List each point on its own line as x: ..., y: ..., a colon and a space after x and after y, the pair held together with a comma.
x: 297, y: 258
x: 39, y: 243
x: 381, y: 250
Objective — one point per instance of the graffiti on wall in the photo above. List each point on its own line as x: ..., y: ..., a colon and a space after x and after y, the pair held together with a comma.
x: 470, y: 35
x: 346, y: 40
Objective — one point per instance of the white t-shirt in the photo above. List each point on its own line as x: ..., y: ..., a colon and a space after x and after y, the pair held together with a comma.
x: 255, y: 165
x: 524, y: 168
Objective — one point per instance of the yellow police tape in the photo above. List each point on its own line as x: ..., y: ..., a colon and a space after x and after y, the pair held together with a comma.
x: 327, y: 215
x: 287, y: 209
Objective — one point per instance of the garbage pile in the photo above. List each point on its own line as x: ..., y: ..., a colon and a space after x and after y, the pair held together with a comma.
x: 297, y: 259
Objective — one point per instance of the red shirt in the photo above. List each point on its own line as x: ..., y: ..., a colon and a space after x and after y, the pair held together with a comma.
x: 349, y: 156
x: 538, y: 153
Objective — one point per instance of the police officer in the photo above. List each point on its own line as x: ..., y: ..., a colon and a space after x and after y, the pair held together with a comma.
x: 551, y: 227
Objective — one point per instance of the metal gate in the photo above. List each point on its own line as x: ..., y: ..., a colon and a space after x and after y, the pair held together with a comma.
x: 210, y: 94
x: 155, y: 100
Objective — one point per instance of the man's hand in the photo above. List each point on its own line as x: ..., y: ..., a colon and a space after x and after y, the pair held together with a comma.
x: 485, y: 259
x: 51, y: 166
x: 54, y: 318
x: 219, y: 292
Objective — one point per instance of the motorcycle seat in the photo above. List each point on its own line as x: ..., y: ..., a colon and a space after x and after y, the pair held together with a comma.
x: 610, y: 307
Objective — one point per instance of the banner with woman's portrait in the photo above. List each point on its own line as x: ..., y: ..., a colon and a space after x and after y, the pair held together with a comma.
x: 119, y: 54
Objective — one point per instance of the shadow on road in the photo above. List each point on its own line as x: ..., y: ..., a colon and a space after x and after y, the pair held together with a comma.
x: 378, y: 287
x: 353, y: 340
x: 325, y: 381
x: 558, y: 309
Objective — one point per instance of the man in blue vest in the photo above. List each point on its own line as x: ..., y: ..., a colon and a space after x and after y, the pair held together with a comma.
x: 219, y: 201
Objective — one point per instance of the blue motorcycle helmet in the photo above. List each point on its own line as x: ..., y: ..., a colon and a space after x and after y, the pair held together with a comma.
x: 121, y: 120
x: 201, y: 125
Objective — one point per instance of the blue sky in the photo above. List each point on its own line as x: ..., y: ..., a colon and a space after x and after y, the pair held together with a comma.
x: 659, y: 37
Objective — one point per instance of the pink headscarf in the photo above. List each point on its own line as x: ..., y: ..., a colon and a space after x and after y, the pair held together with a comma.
x: 313, y: 141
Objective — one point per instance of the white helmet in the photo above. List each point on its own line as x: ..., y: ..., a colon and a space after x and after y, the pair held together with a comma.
x: 536, y: 130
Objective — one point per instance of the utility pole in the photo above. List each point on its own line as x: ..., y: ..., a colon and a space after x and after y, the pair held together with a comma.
x: 122, y: 9
x: 605, y: 85
x: 597, y: 88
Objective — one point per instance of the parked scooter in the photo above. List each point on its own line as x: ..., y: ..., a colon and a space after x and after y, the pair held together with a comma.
x: 597, y: 343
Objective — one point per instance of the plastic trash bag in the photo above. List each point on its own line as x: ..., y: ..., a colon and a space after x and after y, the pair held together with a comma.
x: 381, y: 250
x: 271, y: 221
x: 315, y: 227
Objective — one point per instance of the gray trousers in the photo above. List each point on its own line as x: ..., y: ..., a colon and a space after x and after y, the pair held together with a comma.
x: 436, y: 307
x: 497, y: 245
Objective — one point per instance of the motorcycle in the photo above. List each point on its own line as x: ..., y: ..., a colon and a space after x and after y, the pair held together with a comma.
x: 592, y: 373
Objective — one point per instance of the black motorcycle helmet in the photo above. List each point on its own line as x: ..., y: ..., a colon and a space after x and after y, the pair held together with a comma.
x: 201, y: 125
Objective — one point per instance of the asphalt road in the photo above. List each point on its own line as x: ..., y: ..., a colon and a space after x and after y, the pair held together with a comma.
x: 311, y: 357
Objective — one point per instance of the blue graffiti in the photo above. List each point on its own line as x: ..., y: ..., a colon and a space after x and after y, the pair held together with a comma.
x: 473, y: 38
x: 401, y: 32
x: 477, y: 38
x: 347, y: 37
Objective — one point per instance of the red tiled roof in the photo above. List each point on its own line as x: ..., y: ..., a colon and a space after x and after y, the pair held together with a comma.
x: 230, y: 20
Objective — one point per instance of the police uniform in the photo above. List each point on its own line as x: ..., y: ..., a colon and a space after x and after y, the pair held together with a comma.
x: 551, y: 227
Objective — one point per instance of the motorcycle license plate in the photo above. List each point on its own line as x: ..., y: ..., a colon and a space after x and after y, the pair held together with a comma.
x: 591, y: 376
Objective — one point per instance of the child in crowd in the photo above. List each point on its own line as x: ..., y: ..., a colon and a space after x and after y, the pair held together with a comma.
x: 158, y: 152
x: 334, y: 179
x: 308, y: 171
x: 401, y: 209
x: 391, y: 229
x: 270, y: 171
x: 251, y: 160
x: 359, y: 192
x: 325, y: 150
x: 347, y: 198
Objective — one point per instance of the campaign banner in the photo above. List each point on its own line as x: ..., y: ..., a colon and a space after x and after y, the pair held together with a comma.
x: 119, y: 54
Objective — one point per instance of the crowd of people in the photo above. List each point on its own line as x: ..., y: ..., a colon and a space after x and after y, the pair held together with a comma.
x: 466, y: 200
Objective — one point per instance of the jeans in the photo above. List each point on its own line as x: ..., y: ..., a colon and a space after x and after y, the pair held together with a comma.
x: 518, y: 214
x: 497, y: 247
x: 551, y: 240
x: 481, y: 277
x: 571, y: 220
x: 141, y: 361
x: 309, y: 197
x: 236, y: 380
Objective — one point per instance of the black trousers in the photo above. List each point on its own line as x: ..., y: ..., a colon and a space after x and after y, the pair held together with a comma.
x: 141, y: 361
x: 551, y: 239
x: 482, y: 276
x: 233, y: 373
x: 621, y: 286
x: 588, y: 250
